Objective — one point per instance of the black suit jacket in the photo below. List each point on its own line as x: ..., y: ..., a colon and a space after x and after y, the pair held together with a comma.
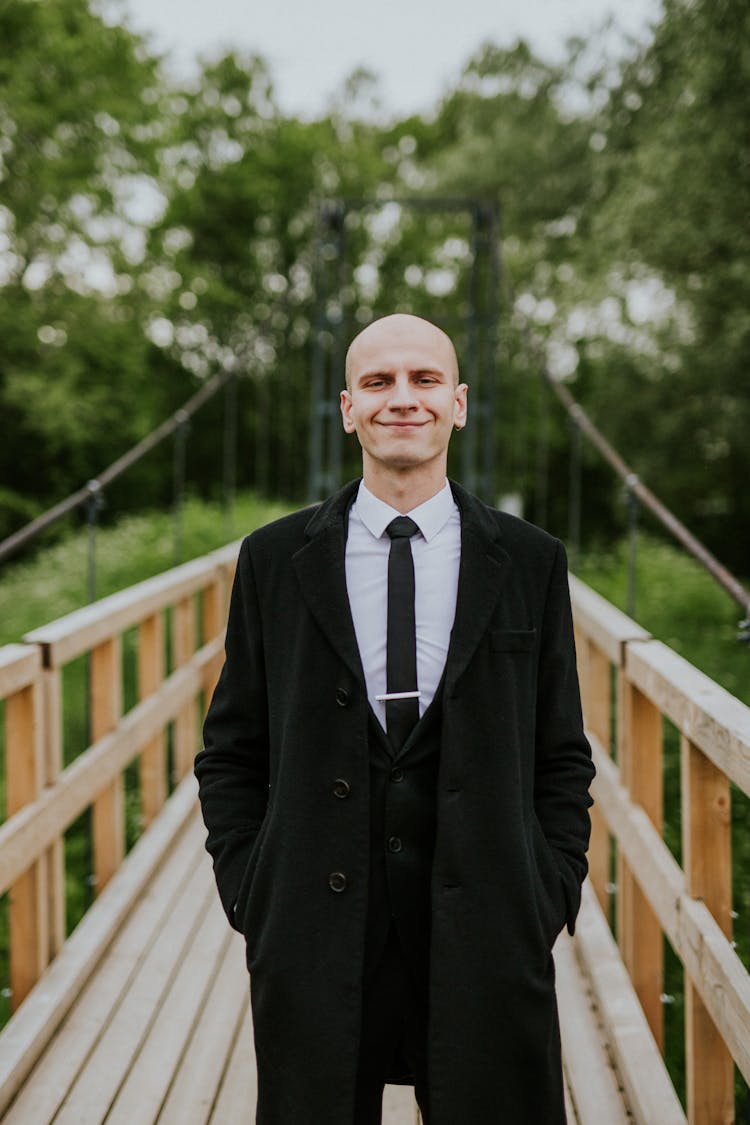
x: 289, y: 716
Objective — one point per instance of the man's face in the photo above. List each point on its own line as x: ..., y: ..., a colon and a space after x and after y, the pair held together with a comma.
x: 403, y: 399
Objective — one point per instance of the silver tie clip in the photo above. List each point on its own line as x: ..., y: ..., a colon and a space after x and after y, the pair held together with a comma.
x: 398, y: 695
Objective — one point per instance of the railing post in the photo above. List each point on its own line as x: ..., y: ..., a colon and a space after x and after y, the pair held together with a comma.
x: 108, y: 810
x: 638, y: 931
x: 707, y: 862
x: 598, y: 719
x: 213, y: 623
x: 52, y: 726
x: 185, y: 724
x: 28, y: 915
x: 153, y: 761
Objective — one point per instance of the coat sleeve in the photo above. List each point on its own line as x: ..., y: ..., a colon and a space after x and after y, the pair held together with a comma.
x: 563, y: 766
x: 233, y: 767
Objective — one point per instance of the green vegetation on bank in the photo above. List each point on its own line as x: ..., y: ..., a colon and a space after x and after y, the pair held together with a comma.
x: 139, y: 546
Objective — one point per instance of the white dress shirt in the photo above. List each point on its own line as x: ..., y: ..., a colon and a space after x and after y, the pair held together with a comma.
x: 436, y: 550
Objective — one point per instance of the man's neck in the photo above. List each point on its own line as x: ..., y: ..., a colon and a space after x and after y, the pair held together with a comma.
x: 404, y: 490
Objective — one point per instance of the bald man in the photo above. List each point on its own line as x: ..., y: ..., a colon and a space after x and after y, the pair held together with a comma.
x: 395, y: 776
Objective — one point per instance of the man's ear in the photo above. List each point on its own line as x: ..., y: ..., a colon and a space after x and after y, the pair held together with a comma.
x: 345, y: 402
x: 459, y: 412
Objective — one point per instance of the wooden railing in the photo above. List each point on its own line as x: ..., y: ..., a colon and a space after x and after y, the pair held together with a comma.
x: 630, y: 683
x: 44, y: 797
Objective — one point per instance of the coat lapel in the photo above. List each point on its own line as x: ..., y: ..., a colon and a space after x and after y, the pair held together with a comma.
x: 320, y: 567
x: 483, y: 570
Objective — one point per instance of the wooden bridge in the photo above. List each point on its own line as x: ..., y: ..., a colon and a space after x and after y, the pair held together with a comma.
x: 141, y: 1014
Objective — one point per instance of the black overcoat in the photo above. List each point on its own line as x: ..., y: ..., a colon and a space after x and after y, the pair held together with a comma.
x: 289, y: 718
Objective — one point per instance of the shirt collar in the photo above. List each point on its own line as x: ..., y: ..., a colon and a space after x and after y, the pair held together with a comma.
x: 430, y: 517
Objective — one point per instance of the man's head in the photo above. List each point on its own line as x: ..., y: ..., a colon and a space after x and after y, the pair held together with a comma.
x: 403, y: 398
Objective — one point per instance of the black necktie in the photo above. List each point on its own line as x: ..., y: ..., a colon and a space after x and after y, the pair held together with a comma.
x: 401, y: 715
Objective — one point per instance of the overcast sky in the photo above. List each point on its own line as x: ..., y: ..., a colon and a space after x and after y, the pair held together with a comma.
x: 417, y: 47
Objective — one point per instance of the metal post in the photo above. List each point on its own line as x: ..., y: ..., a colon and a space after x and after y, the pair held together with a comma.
x: 542, y: 457
x: 633, y: 516
x: 574, y: 494
x: 179, y: 464
x: 489, y: 483
x: 94, y: 505
x: 230, y: 454
x: 469, y: 440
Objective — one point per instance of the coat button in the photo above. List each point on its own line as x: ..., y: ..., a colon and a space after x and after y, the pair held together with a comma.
x: 397, y: 774
x: 394, y: 844
x: 342, y: 696
x: 341, y: 788
x: 337, y: 881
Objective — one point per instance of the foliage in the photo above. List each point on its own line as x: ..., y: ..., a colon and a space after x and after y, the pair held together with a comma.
x: 139, y: 546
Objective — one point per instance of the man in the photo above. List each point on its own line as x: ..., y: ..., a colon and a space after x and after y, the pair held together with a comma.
x: 400, y: 867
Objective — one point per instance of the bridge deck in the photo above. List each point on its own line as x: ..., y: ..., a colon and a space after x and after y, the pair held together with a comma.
x: 144, y: 1017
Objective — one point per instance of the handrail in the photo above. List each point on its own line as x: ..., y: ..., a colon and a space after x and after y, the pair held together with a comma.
x: 44, y: 795
x: 655, y: 896
x: 93, y: 488
x: 635, y: 485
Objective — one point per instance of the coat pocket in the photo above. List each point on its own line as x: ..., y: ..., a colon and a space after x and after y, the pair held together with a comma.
x: 549, y: 891
x: 243, y: 893
x: 512, y: 640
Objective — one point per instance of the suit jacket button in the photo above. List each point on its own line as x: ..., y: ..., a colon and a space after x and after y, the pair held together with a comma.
x: 341, y: 788
x: 342, y: 696
x: 337, y: 881
x: 394, y: 844
x: 397, y: 774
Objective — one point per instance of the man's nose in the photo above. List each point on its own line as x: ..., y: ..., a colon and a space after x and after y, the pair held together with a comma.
x: 402, y: 395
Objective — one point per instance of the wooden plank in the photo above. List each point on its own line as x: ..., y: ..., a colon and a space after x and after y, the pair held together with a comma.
x: 153, y: 761
x: 154, y: 1057
x: 713, y: 720
x: 24, y: 1038
x: 54, y: 858
x: 601, y: 622
x: 40, y: 824
x: 238, y: 1095
x: 570, y: 1109
x: 599, y: 720
x: 719, y: 977
x: 108, y: 810
x: 593, y: 1083
x: 85, y: 628
x: 64, y: 1057
x: 707, y: 860
x: 186, y: 722
x: 649, y: 1092
x: 399, y: 1106
x: 214, y: 620
x: 638, y: 929
x: 28, y: 920
x: 197, y: 1080
x: 109, y: 1067
x: 20, y: 666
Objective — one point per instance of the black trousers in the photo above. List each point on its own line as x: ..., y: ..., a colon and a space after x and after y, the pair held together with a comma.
x: 394, y: 1031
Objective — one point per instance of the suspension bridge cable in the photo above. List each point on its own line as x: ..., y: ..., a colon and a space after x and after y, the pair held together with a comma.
x: 94, y: 487
x: 633, y: 483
